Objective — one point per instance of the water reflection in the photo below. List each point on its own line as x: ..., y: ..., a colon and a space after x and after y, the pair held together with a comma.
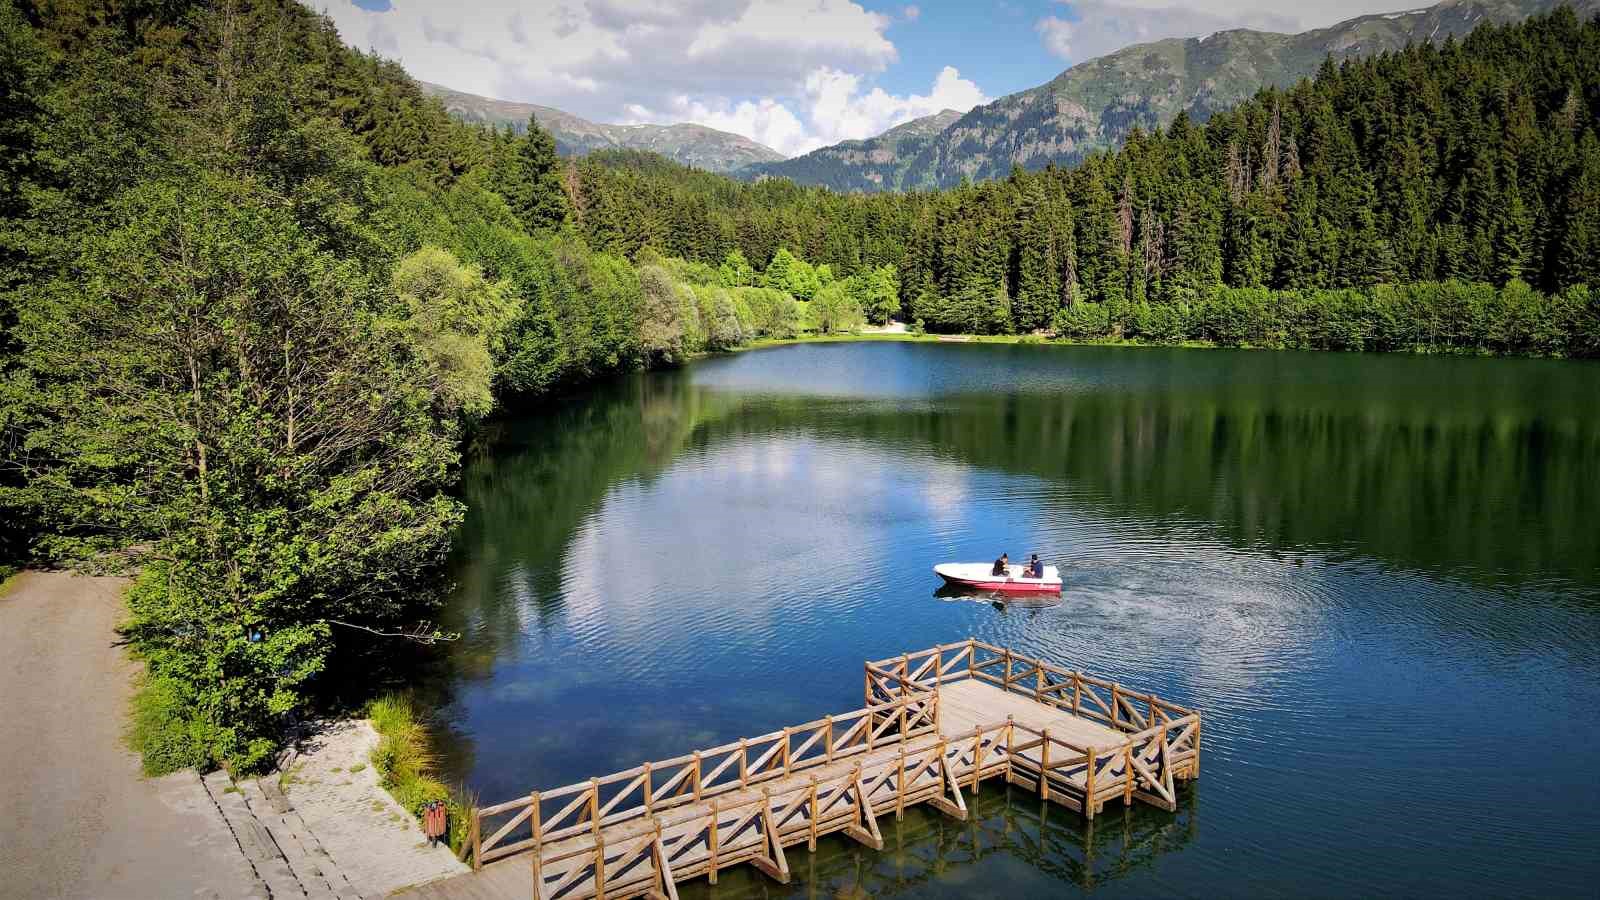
x: 1012, y: 844
x: 1350, y: 563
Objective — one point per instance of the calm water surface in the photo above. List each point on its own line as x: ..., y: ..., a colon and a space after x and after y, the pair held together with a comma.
x: 1377, y: 576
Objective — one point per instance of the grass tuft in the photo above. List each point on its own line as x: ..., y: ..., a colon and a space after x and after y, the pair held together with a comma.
x: 405, y: 764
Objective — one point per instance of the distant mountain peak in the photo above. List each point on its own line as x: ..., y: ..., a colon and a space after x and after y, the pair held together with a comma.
x: 1095, y: 104
x: 685, y: 142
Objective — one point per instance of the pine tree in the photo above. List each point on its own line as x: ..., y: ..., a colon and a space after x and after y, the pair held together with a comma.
x: 1578, y: 261
x: 528, y: 175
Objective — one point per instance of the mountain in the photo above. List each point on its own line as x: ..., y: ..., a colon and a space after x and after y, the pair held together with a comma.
x: 1094, y: 105
x: 874, y: 164
x: 691, y: 145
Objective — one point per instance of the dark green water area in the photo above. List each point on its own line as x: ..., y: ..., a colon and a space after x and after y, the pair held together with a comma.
x: 1377, y: 576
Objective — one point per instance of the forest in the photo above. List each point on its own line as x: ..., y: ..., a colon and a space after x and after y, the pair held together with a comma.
x: 1440, y: 198
x: 258, y: 293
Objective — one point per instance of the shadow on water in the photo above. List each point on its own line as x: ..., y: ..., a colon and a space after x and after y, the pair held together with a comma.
x: 1012, y: 844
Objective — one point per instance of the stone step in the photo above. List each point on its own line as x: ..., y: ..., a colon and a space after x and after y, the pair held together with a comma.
x: 319, y: 878
x: 259, y: 847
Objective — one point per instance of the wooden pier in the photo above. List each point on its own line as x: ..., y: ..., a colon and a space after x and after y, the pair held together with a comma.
x: 935, y: 726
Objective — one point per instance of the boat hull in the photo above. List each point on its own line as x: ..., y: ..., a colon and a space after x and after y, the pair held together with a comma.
x: 980, y: 577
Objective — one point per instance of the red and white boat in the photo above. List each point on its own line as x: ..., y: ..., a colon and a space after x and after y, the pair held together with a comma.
x: 980, y: 576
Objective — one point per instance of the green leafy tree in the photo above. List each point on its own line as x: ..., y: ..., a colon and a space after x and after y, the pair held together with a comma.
x: 736, y: 271
x: 835, y: 310
x: 227, y: 397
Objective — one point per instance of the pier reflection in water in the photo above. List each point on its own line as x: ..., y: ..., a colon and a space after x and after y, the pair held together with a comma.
x: 1037, y: 845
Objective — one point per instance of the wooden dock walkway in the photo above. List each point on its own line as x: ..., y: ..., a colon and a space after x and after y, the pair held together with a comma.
x: 936, y: 725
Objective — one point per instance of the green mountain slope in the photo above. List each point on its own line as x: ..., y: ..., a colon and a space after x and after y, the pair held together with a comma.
x: 874, y: 164
x: 1094, y: 105
x: 691, y: 145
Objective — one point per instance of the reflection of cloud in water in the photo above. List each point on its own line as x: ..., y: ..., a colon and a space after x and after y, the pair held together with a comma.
x: 621, y: 564
x: 945, y: 491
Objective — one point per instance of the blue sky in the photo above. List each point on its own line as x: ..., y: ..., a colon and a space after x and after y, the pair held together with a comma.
x: 792, y: 74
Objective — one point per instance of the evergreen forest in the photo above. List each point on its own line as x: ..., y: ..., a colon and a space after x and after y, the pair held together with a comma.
x: 258, y: 293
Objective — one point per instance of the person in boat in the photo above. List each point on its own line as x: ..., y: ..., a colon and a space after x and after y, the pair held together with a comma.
x: 1035, y: 567
x: 1002, y: 566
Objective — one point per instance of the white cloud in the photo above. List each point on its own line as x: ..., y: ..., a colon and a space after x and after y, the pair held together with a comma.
x: 765, y: 121
x: 833, y: 107
x: 596, y: 57
x: 1056, y: 34
x: 840, y: 111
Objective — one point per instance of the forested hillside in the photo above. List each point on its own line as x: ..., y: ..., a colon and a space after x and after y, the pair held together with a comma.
x: 256, y: 289
x: 1096, y: 104
x: 683, y: 142
x: 1437, y: 197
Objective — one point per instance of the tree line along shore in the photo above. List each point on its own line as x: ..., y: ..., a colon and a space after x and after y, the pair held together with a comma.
x: 256, y: 290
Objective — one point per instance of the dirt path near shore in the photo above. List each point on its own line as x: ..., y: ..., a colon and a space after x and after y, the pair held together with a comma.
x: 76, y: 818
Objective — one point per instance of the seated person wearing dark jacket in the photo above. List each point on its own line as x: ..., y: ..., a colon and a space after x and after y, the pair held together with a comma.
x: 1002, y: 566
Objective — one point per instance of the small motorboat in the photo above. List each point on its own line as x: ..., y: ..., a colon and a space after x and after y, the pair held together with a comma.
x: 979, y: 576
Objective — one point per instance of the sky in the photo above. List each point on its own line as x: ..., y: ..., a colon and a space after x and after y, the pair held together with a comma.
x: 792, y: 74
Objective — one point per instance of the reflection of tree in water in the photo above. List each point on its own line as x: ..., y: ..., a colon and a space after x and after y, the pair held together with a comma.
x: 929, y: 854
x: 1505, y: 490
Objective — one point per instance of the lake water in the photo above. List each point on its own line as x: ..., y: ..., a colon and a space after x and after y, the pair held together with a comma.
x: 1377, y: 576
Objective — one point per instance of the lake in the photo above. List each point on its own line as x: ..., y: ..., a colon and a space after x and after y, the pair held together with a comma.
x: 1377, y: 576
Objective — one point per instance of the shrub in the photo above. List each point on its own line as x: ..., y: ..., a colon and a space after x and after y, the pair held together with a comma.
x: 1082, y: 320
x: 163, y: 729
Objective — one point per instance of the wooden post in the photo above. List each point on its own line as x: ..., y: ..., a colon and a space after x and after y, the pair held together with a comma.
x: 1005, y: 674
x: 905, y: 675
x: 711, y: 842
x: 1038, y: 682
x: 649, y: 791
x: 599, y: 839
x: 811, y: 839
x: 696, y: 776
x: 827, y: 735
x: 977, y: 758
x: 1116, y: 708
x: 785, y: 754
x: 1044, y: 766
x: 902, y: 718
x: 1077, y: 691
x: 1127, y: 773
x: 866, y: 686
x: 900, y: 788
x: 1088, y: 786
x: 477, y: 840
x: 538, y: 841
x: 1011, y: 741
x: 744, y: 765
x: 972, y: 657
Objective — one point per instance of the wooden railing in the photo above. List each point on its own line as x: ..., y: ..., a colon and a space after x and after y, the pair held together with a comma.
x: 655, y: 787
x: 754, y: 826
x: 642, y: 830
x: 1161, y: 743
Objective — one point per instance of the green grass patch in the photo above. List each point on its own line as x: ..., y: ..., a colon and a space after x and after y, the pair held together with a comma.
x: 163, y: 730
x: 405, y: 764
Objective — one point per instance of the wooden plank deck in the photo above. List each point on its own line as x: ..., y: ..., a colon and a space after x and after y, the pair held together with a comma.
x: 938, y: 723
x: 965, y: 704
